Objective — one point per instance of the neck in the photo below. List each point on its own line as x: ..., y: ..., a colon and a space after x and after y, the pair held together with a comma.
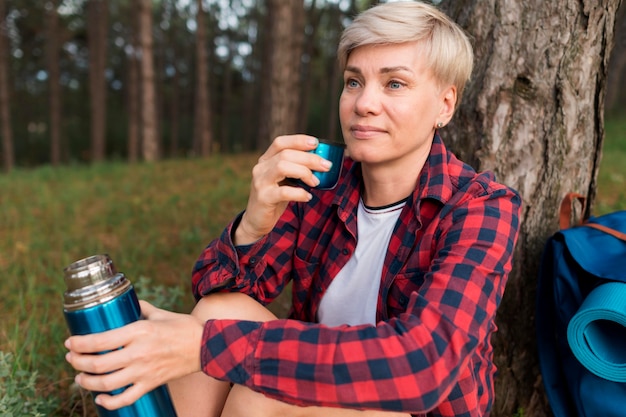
x: 385, y: 185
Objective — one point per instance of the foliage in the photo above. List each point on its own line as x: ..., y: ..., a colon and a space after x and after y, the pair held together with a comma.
x: 18, y: 391
x: 162, y: 296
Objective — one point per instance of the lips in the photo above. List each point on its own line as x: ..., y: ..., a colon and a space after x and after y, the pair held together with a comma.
x: 364, y: 131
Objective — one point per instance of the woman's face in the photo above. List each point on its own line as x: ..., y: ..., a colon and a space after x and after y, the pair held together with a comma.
x: 391, y: 104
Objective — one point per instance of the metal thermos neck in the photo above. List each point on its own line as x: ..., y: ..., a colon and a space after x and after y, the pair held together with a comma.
x: 92, y: 281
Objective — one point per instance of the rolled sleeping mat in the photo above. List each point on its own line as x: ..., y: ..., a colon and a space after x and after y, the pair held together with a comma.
x: 597, y: 332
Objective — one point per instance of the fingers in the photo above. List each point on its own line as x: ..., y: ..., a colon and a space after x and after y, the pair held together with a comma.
x: 287, y: 157
x: 298, y: 142
x: 289, y: 163
x: 97, y: 342
x: 114, y: 394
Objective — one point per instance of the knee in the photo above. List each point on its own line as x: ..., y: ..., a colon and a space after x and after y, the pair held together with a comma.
x: 231, y: 306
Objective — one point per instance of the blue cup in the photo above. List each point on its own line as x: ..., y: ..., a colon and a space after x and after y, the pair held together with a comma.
x: 97, y: 299
x: 333, y: 152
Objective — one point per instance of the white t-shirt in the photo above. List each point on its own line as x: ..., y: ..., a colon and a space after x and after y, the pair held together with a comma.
x: 352, y: 295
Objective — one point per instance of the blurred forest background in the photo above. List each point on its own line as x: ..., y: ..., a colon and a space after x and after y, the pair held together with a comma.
x: 88, y: 80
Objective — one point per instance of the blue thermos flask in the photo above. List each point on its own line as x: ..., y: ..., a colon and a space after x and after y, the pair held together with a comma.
x: 99, y: 298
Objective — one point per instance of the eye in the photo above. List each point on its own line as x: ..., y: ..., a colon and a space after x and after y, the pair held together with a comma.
x: 395, y: 85
x: 352, y: 83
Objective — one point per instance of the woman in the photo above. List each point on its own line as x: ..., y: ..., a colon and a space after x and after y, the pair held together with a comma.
x: 396, y: 274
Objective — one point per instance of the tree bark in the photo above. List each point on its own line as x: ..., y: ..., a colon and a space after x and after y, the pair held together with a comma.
x: 150, y: 137
x: 97, y: 27
x: 8, y: 157
x: 534, y: 115
x: 287, y: 36
x: 54, y: 82
x: 202, y: 126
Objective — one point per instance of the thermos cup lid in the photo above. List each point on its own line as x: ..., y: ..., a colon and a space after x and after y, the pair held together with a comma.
x: 92, y: 281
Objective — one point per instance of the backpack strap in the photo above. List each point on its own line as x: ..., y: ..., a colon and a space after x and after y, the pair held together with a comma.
x: 565, y: 216
x: 565, y: 211
x: 615, y: 233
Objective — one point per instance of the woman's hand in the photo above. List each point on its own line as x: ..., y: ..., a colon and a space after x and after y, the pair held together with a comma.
x: 287, y: 157
x: 154, y: 351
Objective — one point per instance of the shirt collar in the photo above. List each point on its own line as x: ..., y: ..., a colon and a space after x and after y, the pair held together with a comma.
x: 439, y: 179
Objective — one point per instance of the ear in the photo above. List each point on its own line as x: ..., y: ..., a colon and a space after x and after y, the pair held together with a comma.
x: 447, y: 100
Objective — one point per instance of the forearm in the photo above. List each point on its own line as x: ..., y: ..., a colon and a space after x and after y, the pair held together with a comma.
x: 396, y: 365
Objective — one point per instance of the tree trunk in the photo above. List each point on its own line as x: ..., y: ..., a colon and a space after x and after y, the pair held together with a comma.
x: 97, y: 26
x: 150, y: 137
x: 313, y: 16
x: 8, y: 157
x: 226, y: 145
x: 534, y: 115
x: 264, y: 75
x: 202, y: 126
x: 175, y: 113
x: 133, y: 86
x: 54, y: 82
x: 287, y: 35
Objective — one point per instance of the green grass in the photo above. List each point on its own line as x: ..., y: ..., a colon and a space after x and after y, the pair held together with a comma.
x: 153, y: 219
x: 612, y: 174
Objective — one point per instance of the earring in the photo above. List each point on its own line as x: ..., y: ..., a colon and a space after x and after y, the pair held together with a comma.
x: 439, y: 125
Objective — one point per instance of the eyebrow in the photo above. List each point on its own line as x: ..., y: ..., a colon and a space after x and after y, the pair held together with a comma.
x: 384, y: 70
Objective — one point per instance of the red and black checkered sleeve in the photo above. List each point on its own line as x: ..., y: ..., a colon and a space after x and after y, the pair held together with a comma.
x: 248, y: 269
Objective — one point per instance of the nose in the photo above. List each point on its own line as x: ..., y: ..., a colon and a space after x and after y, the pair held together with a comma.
x: 368, y: 101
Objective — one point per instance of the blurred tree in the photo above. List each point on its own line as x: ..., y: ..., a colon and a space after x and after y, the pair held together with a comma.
x: 97, y: 29
x: 534, y: 114
x: 149, y: 123
x: 54, y: 94
x: 8, y: 158
x: 203, y: 135
x: 287, y: 18
x: 133, y: 85
x: 175, y: 52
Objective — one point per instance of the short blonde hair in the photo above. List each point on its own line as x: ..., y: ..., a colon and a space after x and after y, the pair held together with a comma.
x: 448, y: 50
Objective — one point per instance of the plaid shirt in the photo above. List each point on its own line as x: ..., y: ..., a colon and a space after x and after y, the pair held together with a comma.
x: 442, y: 281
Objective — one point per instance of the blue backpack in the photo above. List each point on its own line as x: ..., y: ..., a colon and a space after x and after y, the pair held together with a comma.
x: 581, y: 316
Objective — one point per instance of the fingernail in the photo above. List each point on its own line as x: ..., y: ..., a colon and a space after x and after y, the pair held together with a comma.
x: 67, y: 343
x: 68, y: 356
x: 98, y: 400
x: 312, y: 141
x: 316, y: 181
x: 327, y: 164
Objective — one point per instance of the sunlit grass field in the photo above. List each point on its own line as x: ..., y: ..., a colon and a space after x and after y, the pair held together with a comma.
x: 153, y: 220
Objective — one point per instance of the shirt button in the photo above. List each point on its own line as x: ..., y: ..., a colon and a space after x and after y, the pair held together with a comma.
x: 252, y: 261
x: 345, y: 251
